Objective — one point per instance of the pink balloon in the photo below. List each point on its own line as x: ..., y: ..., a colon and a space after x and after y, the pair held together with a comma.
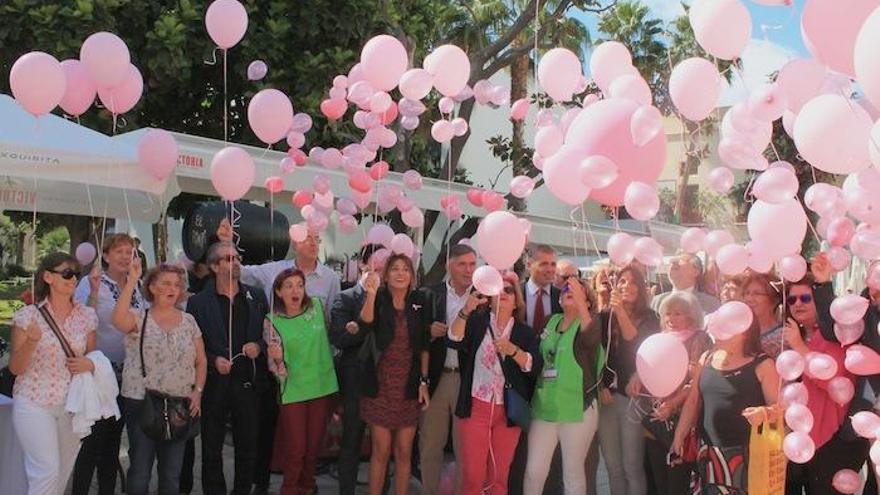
x: 842, y: 130
x: 841, y: 390
x: 334, y: 109
x: 501, y: 239
x: 415, y: 84
x: 257, y: 70
x: 800, y: 80
x: 849, y: 308
x: 123, y: 97
x: 798, y: 447
x: 859, y: 194
x: 347, y: 224
x: 380, y: 101
x: 521, y: 186
x: 597, y: 172
x: 404, y: 204
x: 232, y: 172
x: 793, y: 267
x: 695, y: 86
x: 648, y: 252
x: 822, y: 197
x: 732, y: 259
x: 830, y: 32
x: 873, y: 277
x: 715, y: 240
x: 721, y: 180
x: 412, y: 179
x: 379, y: 170
x: 106, y: 58
x: 790, y: 365
x: 413, y: 218
x: 793, y: 393
x: 662, y: 364
x: 38, y: 82
x: 692, y: 240
x: 332, y: 158
x: 799, y: 418
x: 759, y: 260
x: 821, y: 366
x: 298, y: 232
x: 450, y: 67
x: 362, y: 200
x: 621, y: 248
x: 722, y: 27
x: 867, y: 67
x: 302, y: 198
x: 487, y: 280
x: 274, y: 184
x: 227, y: 21
x: 558, y: 172
x: 604, y: 129
x: 767, y: 103
x: 157, y: 153
x: 839, y: 258
x: 384, y: 60
x: 608, y: 61
x: 866, y: 424
x: 80, y: 91
x: 361, y: 182
x: 646, y: 123
x: 380, y: 233
x: 641, y: 201
x: 730, y: 320
x: 492, y: 201
x: 519, y: 109
x: 559, y: 72
x: 475, y: 197
x: 874, y: 143
x: 874, y: 454
x: 295, y: 140
x: 861, y: 360
x: 442, y: 131
x: 409, y: 123
x: 548, y: 140
x: 840, y: 231
x: 847, y: 481
x: 346, y: 206
x: 270, y: 115
x: 402, y: 244
x: 632, y: 87
x: 776, y: 185
x: 321, y: 184
x: 781, y: 227
x: 86, y: 253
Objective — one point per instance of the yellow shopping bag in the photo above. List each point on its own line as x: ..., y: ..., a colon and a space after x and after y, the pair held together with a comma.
x: 766, y: 458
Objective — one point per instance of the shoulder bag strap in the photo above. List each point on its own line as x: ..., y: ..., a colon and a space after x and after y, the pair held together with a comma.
x: 141, y: 344
x: 500, y: 357
x: 65, y: 346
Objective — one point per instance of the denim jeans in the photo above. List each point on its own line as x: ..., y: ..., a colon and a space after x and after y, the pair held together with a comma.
x: 622, y: 441
x: 142, y: 450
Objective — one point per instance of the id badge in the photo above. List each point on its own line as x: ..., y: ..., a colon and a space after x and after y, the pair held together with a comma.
x: 549, y: 373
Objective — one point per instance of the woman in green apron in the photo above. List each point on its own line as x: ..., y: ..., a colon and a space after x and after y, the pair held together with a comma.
x: 564, y: 408
x: 300, y: 356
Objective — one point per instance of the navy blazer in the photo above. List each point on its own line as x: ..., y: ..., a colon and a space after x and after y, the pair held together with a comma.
x: 435, y: 300
x: 379, y: 334
x: 521, y: 335
x: 346, y: 307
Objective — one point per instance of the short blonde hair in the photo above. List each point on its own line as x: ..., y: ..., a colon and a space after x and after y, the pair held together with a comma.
x: 153, y: 274
x: 686, y: 302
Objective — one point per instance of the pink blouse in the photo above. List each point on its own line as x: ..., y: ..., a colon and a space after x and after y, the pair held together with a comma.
x: 46, y: 381
x: 827, y: 414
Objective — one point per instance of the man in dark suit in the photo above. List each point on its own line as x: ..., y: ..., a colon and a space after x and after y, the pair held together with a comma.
x: 542, y: 300
x: 344, y: 335
x: 236, y: 370
x: 444, y: 301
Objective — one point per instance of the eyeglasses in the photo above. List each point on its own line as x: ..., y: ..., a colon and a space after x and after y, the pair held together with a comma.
x: 754, y: 294
x: 508, y: 289
x: 803, y: 298
x: 66, y: 274
x: 231, y: 257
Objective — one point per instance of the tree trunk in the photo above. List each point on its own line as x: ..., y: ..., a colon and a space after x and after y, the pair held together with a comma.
x: 160, y: 239
x: 690, y: 164
x: 438, y: 269
x: 79, y: 229
x: 519, y: 88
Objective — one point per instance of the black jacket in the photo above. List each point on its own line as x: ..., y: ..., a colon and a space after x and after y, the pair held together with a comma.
x: 522, y: 336
x: 435, y: 301
x: 379, y: 334
x: 345, y: 308
x: 206, y: 310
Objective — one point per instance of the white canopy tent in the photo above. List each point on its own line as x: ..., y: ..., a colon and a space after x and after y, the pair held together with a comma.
x: 58, y: 166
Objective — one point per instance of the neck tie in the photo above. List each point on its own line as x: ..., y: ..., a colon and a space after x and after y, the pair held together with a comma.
x: 538, y: 312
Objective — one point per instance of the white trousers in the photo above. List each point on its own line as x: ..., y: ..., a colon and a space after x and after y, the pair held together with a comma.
x: 574, y: 440
x: 49, y: 444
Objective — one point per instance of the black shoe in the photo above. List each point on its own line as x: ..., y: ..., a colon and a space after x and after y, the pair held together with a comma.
x: 260, y: 490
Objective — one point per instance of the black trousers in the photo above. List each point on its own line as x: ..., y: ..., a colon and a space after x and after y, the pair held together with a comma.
x: 666, y: 479
x: 266, y: 436
x: 186, y: 469
x: 814, y: 477
x: 515, y: 478
x: 99, y: 450
x: 225, y: 399
x: 352, y: 428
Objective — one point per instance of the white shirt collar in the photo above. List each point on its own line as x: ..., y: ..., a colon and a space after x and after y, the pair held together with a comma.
x: 533, y: 288
x: 450, y: 291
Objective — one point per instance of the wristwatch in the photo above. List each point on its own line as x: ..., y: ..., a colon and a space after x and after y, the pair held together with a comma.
x: 199, y: 389
x: 424, y: 380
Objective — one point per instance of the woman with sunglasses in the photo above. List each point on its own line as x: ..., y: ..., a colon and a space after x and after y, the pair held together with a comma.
x: 564, y: 408
x: 495, y: 350
x: 810, y: 329
x: 44, y: 363
x: 300, y: 356
x: 173, y: 362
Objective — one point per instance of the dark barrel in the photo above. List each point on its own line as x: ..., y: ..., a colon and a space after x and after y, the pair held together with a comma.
x: 256, y: 235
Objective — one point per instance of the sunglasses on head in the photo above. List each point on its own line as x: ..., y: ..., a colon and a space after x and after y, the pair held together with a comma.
x: 803, y: 298
x: 66, y: 274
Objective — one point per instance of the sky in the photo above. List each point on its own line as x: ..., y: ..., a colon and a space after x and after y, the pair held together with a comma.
x: 776, y: 39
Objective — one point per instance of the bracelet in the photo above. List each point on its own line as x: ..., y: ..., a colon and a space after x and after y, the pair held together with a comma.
x: 463, y: 315
x: 515, y: 352
x: 424, y: 380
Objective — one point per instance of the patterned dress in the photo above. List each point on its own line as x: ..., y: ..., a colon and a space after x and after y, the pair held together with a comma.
x: 390, y: 408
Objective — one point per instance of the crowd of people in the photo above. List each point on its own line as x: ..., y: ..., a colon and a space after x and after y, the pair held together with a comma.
x: 530, y: 387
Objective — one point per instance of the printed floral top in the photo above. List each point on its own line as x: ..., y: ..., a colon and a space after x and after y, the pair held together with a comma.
x: 488, y: 383
x: 169, y: 355
x: 46, y: 380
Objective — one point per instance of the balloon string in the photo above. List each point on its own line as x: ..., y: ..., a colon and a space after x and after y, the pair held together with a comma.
x: 574, y: 231
x: 271, y: 239
x: 225, y: 102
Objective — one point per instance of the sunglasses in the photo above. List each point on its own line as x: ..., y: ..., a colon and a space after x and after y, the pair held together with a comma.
x: 803, y: 298
x: 66, y: 274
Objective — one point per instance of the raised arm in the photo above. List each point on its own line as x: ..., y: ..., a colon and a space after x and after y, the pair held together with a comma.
x: 123, y: 319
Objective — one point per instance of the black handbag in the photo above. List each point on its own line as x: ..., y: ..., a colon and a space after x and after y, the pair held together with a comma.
x: 516, y: 407
x: 162, y: 416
